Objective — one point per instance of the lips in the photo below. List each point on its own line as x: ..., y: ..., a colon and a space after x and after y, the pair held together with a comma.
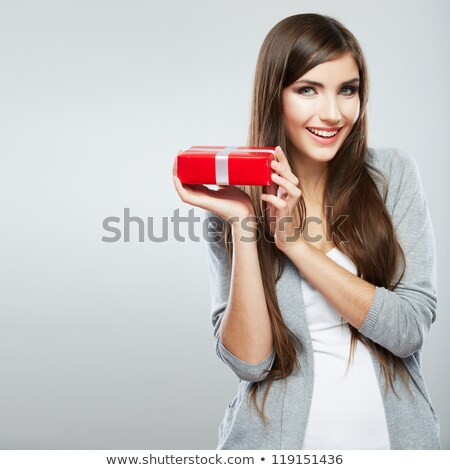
x: 327, y: 129
x: 325, y: 137
x: 325, y: 140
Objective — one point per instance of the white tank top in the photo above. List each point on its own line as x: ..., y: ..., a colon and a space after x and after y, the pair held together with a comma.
x: 347, y: 410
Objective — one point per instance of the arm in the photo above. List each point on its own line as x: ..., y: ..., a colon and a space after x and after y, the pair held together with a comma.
x: 350, y: 295
x: 242, y: 330
x: 397, y: 320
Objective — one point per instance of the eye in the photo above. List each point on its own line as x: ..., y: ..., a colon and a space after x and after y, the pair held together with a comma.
x: 299, y: 91
x: 352, y: 90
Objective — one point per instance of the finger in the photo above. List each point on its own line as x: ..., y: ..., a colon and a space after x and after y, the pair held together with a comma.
x: 181, y: 190
x: 282, y: 159
x: 290, y: 188
x: 175, y: 163
x: 284, y: 171
x: 270, y: 213
x: 195, y: 192
x: 281, y: 192
x: 174, y: 166
x: 197, y: 195
x: 271, y: 189
x: 280, y: 155
x: 275, y: 201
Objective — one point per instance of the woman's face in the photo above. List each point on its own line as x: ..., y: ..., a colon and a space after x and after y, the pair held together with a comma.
x: 332, y: 103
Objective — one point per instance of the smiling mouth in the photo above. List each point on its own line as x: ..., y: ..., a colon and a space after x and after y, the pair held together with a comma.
x: 324, y: 134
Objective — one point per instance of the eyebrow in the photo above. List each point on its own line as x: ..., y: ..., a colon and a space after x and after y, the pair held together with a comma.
x: 320, y: 85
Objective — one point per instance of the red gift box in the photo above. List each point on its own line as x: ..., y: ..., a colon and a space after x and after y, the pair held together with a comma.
x: 224, y: 165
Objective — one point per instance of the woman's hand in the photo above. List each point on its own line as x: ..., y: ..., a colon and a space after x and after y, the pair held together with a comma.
x: 227, y: 202
x: 282, y: 197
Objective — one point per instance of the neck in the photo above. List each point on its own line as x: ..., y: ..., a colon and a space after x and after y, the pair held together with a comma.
x: 312, y: 176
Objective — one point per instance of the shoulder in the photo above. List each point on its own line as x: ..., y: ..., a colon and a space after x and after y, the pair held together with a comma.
x: 398, y: 167
x: 390, y: 160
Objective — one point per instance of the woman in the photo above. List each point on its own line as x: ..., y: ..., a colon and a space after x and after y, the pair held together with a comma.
x: 322, y: 313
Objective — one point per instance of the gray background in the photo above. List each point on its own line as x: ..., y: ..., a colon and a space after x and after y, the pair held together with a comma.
x: 110, y: 345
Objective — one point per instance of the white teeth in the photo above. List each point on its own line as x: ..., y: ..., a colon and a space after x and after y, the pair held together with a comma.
x: 322, y: 133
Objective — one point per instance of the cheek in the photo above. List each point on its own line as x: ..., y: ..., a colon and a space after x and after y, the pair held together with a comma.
x: 295, y: 114
x: 352, y: 111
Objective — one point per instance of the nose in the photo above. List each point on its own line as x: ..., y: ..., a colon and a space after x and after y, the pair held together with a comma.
x: 329, y: 110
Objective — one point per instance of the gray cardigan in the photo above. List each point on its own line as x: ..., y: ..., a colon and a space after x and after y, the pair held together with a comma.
x: 397, y: 320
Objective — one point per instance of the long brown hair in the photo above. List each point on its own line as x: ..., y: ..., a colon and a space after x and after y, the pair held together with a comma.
x: 294, y: 46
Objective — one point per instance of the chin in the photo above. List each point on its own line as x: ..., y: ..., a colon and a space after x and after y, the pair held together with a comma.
x: 319, y: 154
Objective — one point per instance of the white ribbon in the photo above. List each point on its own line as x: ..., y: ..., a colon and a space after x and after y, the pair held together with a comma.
x: 222, y: 165
x: 221, y: 159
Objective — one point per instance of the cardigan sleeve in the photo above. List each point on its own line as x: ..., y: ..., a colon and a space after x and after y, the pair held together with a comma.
x: 400, y: 319
x: 220, y: 280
